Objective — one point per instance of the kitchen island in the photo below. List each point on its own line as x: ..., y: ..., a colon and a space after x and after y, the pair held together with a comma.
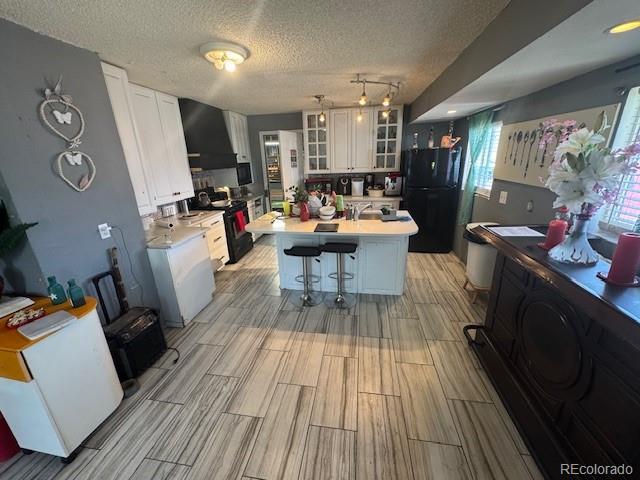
x: 378, y: 265
x: 563, y: 351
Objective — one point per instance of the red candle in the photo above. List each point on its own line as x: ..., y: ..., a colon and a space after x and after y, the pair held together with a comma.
x: 626, y: 259
x: 555, y: 233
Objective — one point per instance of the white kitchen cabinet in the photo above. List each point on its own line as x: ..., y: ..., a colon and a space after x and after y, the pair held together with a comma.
x: 158, y: 120
x: 315, y: 142
x: 361, y: 141
x: 387, y: 138
x: 216, y: 237
x: 340, y: 139
x: 184, y: 279
x: 382, y: 265
x: 354, y: 146
x: 255, y: 207
x: 180, y: 173
x: 120, y: 97
x: 239, y: 134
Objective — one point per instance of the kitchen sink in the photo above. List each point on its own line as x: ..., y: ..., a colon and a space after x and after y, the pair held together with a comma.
x: 371, y: 215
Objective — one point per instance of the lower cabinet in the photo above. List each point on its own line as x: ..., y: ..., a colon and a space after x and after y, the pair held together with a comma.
x: 216, y: 237
x: 571, y: 385
x: 378, y: 266
x: 184, y: 278
x: 382, y: 265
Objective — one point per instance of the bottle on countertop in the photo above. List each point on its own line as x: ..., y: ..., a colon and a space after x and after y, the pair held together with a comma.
x: 76, y: 295
x: 56, y: 291
x: 430, y: 141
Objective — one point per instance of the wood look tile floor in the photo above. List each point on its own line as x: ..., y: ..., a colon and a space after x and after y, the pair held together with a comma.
x: 264, y: 390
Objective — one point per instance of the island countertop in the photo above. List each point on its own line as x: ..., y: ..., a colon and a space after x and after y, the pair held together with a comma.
x: 371, y: 228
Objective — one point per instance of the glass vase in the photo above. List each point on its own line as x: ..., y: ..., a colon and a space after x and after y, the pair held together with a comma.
x: 304, y: 211
x: 576, y: 249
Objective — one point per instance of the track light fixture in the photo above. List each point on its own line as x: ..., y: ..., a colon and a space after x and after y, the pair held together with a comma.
x: 393, y: 88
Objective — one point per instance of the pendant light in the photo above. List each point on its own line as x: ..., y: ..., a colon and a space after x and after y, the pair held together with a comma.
x: 322, y: 117
x: 359, y: 117
x: 386, y: 101
x: 363, y: 98
x: 385, y: 114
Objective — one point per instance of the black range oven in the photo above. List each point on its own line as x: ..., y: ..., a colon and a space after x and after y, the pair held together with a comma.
x: 239, y: 240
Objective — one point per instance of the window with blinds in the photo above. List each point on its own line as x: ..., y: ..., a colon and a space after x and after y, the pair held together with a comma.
x: 487, y: 161
x: 624, y: 212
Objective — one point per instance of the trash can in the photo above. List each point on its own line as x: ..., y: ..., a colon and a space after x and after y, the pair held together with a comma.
x: 8, y: 444
x: 481, y: 258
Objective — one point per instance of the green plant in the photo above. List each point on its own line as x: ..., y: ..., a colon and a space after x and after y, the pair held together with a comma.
x: 10, y: 237
x: 299, y: 195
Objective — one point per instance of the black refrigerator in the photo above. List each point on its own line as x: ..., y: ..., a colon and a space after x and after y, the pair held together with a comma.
x: 431, y: 187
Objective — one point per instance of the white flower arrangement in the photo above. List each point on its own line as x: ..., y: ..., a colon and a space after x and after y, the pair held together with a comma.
x: 584, y: 174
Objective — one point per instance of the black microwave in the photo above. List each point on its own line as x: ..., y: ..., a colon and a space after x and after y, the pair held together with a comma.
x: 244, y: 173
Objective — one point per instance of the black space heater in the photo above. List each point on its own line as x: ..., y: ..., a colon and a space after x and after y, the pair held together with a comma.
x: 135, y: 337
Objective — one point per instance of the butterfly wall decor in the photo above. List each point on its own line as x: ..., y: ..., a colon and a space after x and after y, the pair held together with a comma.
x: 59, y: 107
x: 62, y: 117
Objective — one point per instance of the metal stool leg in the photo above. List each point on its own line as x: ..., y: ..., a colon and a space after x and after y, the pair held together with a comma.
x: 341, y: 299
x: 307, y: 298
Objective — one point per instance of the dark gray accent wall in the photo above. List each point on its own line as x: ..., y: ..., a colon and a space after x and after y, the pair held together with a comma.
x: 596, y: 88
x: 516, y: 26
x: 263, y: 123
x: 66, y: 241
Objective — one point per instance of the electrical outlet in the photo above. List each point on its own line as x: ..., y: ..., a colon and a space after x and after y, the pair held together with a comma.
x: 105, y: 231
x: 503, y: 197
x: 530, y: 206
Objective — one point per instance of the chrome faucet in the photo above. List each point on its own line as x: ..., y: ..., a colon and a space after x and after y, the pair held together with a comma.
x: 357, y: 210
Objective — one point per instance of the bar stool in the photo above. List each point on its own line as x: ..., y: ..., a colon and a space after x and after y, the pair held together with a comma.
x: 340, y: 299
x: 306, y: 298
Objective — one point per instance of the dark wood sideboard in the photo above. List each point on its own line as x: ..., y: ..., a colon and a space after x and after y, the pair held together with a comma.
x: 563, y: 350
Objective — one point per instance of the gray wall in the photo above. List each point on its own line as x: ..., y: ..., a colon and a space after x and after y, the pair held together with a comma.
x: 66, y: 242
x: 516, y: 26
x: 593, y: 89
x: 262, y: 123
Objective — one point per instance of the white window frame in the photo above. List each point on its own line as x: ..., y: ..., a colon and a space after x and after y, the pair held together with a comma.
x: 628, y: 131
x: 485, y: 171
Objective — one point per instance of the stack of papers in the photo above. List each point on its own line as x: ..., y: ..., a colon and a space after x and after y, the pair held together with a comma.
x: 515, y: 232
x: 46, y: 325
x: 9, y: 305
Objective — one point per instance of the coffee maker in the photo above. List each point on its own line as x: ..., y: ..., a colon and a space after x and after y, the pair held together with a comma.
x: 343, y: 186
x: 392, y: 185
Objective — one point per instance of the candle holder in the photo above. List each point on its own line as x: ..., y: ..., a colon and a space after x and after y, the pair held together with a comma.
x: 604, y: 277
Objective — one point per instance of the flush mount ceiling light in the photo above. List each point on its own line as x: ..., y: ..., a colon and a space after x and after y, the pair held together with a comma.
x: 451, y: 111
x: 393, y: 88
x: 623, y: 27
x: 224, y: 55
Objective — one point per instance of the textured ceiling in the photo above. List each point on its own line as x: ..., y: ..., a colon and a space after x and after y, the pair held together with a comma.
x: 298, y: 47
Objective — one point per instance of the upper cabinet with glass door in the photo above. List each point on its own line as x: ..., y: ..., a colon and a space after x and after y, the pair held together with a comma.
x: 387, y: 138
x: 315, y: 142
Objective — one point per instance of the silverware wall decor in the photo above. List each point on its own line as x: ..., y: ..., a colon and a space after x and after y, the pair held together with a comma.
x: 519, y: 158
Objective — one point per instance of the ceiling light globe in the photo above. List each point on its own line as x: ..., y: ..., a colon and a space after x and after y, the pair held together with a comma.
x: 359, y: 117
x: 363, y: 100
x: 385, y: 114
x: 321, y: 117
x: 229, y: 66
x: 386, y: 101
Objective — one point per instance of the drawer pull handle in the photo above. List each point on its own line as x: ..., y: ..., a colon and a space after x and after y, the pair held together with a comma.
x: 217, y: 239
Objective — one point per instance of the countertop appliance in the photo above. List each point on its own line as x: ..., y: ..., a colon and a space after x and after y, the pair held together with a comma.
x: 392, y: 185
x: 368, y: 181
x: 239, y: 241
x: 343, y: 186
x: 357, y: 187
x: 431, y: 196
x: 282, y: 156
x: 206, y: 136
